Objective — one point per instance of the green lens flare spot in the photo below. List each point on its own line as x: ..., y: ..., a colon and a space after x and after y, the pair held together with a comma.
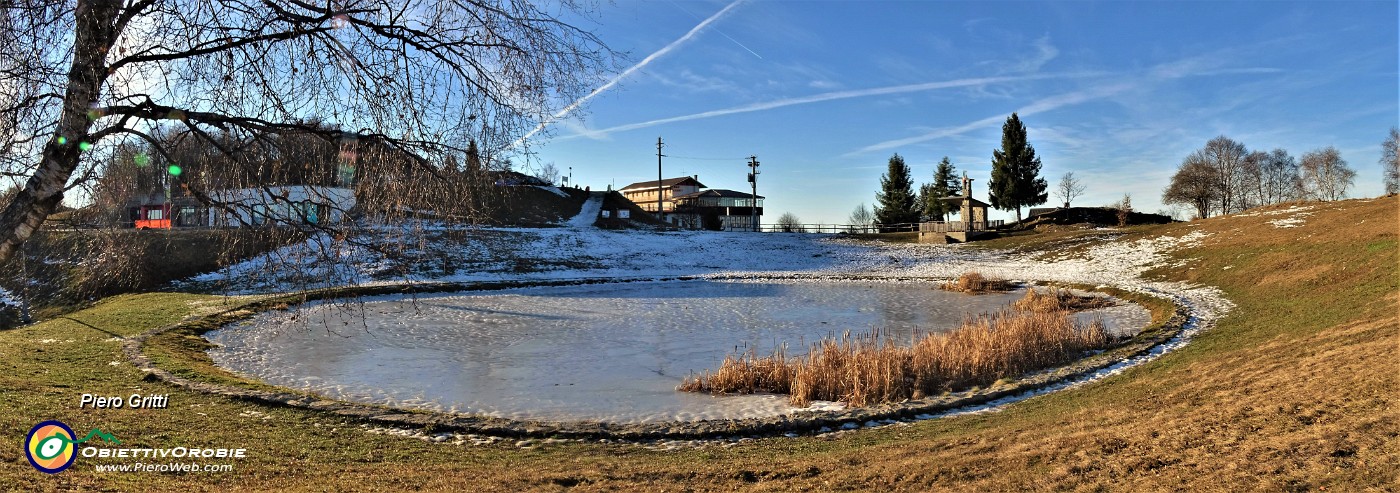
x: 175, y: 170
x: 84, y: 146
x: 141, y: 159
x: 63, y: 141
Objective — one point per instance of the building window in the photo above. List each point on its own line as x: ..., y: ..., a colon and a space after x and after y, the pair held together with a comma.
x: 187, y: 217
x: 155, y: 214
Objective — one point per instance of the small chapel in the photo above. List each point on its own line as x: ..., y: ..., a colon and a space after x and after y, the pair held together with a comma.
x: 971, y: 224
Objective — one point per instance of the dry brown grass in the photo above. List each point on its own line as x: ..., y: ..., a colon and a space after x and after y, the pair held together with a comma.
x: 1058, y: 300
x: 976, y: 283
x: 745, y: 374
x: 871, y: 368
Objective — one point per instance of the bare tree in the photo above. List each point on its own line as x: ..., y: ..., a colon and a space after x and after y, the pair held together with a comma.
x: 1069, y: 188
x: 789, y: 223
x: 549, y: 173
x: 1390, y: 161
x: 1249, y: 190
x: 1279, y: 179
x: 1195, y: 183
x: 1124, y: 209
x: 418, y: 78
x: 861, y: 218
x: 1326, y: 175
x: 1226, y: 158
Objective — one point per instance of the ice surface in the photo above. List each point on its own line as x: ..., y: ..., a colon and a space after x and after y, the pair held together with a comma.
x: 591, y: 253
x: 612, y: 352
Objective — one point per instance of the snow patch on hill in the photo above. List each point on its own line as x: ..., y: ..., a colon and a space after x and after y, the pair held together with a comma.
x: 489, y: 254
x: 588, y: 214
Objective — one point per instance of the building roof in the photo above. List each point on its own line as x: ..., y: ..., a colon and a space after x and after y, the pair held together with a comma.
x: 667, y: 183
x: 975, y: 202
x: 717, y: 192
x: 512, y: 178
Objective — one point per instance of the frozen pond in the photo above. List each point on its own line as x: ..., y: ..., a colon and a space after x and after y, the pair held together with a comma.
x: 610, y: 352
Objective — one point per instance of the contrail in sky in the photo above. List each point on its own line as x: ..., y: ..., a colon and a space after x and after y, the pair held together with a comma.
x: 830, y: 96
x: 717, y: 31
x: 626, y: 73
x: 1045, y: 104
x: 741, y: 45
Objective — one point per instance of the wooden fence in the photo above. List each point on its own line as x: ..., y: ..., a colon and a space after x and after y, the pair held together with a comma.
x: 958, y: 226
x: 936, y: 227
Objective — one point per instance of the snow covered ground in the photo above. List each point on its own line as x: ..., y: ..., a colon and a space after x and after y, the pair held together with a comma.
x: 7, y: 299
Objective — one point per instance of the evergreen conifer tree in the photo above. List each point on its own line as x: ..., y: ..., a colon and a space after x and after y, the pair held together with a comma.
x: 945, y: 184
x: 896, y: 203
x: 1016, y: 180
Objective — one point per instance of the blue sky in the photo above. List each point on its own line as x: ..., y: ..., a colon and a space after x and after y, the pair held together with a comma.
x: 1117, y: 92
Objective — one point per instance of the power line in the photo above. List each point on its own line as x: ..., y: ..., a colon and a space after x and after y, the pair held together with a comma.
x: 745, y: 158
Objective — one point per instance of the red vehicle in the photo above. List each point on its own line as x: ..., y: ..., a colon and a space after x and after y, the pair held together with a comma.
x: 155, y: 216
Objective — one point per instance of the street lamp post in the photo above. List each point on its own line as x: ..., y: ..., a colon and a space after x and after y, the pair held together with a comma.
x: 753, y: 197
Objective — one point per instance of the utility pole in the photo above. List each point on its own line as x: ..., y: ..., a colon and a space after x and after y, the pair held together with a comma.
x: 753, y: 199
x: 660, y: 212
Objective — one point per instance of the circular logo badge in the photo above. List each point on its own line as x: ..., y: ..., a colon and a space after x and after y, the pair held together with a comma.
x: 50, y: 446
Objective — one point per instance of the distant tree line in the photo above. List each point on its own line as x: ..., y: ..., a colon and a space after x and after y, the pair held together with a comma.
x: 1222, y: 177
x: 1225, y: 177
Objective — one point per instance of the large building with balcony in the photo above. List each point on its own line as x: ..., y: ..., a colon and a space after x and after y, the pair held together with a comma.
x: 644, y: 193
x: 686, y: 203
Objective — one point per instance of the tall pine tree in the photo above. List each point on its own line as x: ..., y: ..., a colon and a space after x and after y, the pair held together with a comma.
x: 1016, y: 180
x: 945, y: 184
x: 896, y: 203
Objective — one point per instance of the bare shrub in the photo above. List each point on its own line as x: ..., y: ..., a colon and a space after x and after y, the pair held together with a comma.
x: 1058, y: 300
x: 1125, y: 210
x: 976, y: 283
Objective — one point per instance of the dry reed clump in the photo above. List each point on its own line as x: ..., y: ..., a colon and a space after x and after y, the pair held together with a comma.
x: 867, y: 369
x: 976, y: 283
x: 1057, y: 300
x: 745, y: 374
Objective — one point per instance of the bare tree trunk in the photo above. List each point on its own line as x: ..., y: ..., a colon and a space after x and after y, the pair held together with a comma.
x: 96, y: 31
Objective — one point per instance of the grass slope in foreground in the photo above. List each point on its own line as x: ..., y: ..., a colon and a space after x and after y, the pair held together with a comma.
x: 1295, y: 390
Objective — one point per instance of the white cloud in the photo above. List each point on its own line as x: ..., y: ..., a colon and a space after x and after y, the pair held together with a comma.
x: 1044, y: 53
